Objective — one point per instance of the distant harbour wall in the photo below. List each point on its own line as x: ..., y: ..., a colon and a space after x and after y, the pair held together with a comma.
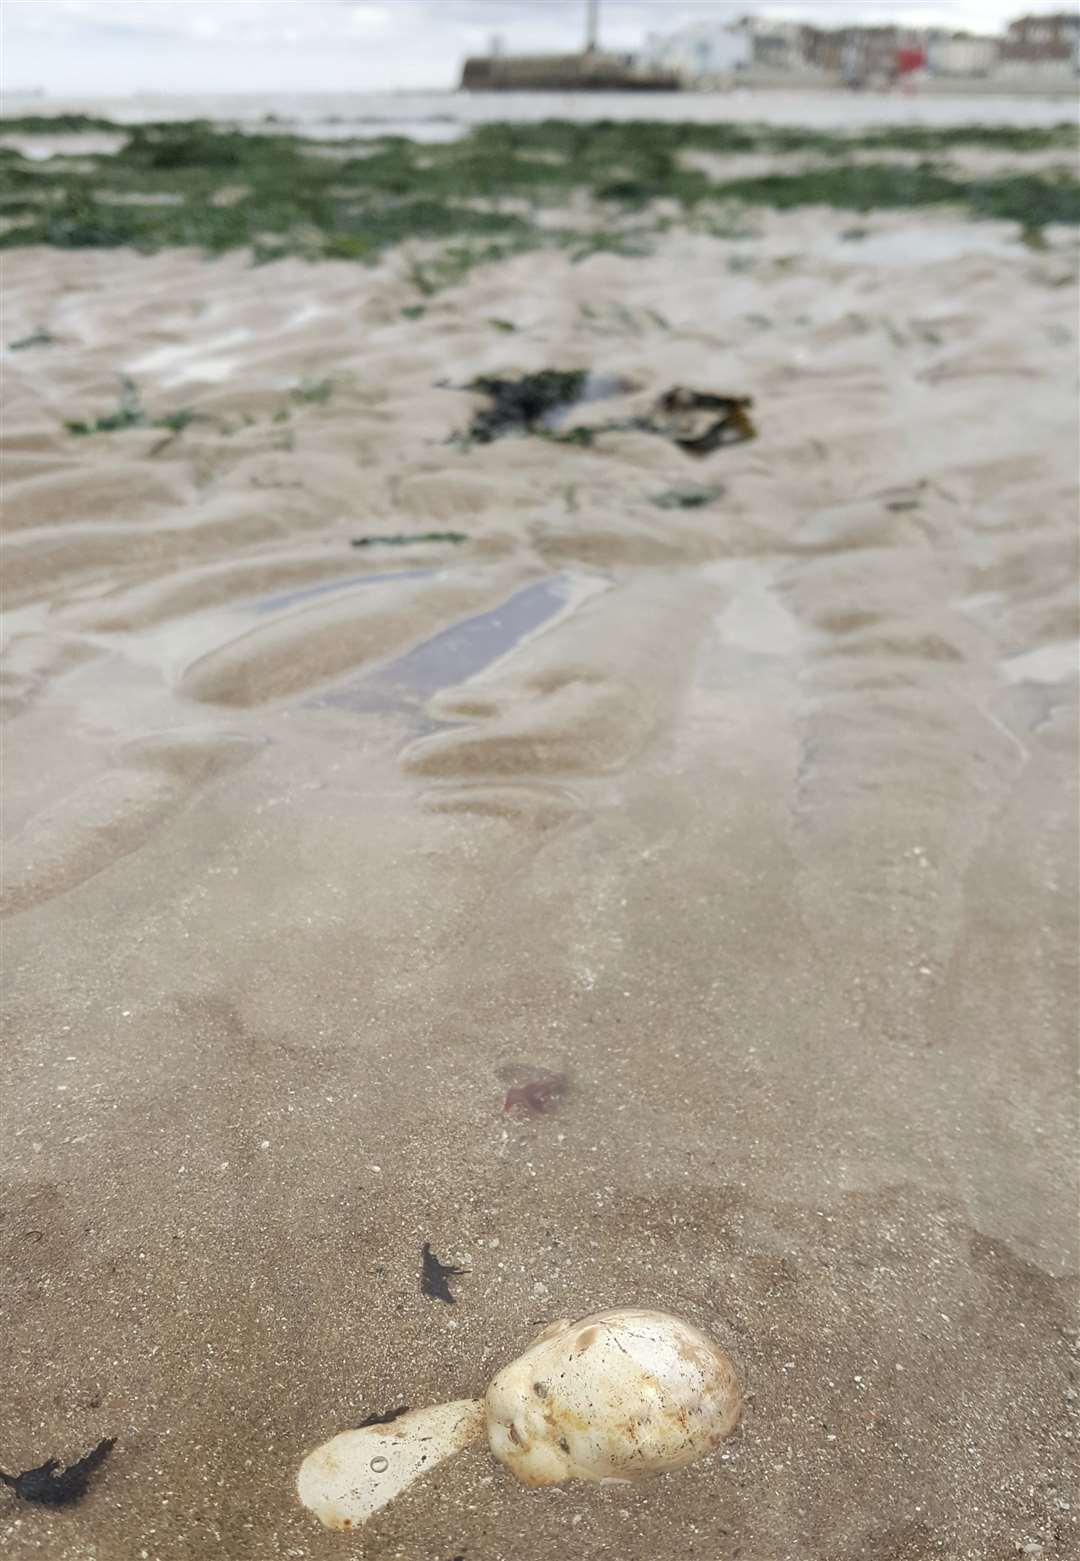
x: 587, y: 72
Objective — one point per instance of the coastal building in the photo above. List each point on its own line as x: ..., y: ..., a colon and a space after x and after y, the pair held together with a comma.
x: 865, y: 55
x: 1042, y: 40
x: 702, y: 51
x: 778, y: 47
x: 1037, y: 52
x: 962, y: 54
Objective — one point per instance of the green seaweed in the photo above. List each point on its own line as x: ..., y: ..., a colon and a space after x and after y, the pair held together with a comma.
x: 1001, y: 138
x: 584, y: 438
x: 685, y: 498
x: 608, y: 242
x: 174, y: 424
x: 1029, y: 199
x: 182, y: 418
x: 404, y: 538
x: 195, y: 144
x: 313, y: 391
x: 130, y: 413
x: 455, y: 261
x: 277, y: 194
x: 53, y: 124
x: 37, y: 338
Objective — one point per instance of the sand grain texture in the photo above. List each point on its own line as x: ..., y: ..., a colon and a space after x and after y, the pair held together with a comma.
x: 755, y: 819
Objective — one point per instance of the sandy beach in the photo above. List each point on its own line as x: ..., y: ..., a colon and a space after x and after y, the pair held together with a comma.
x: 740, y: 790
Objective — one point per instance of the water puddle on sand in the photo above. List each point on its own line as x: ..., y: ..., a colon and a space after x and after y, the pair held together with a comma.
x: 340, y: 583
x: 1038, y: 684
x: 456, y: 654
x: 1056, y: 663
x: 920, y: 245
x: 213, y: 359
x: 39, y: 148
x: 178, y: 362
x: 176, y: 643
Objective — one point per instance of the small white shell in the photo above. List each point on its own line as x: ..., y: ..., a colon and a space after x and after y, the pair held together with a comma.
x: 618, y: 1395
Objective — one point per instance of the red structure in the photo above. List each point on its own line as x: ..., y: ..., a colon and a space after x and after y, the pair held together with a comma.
x: 909, y: 60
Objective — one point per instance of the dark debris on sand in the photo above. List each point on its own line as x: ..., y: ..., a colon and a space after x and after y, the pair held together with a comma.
x: 434, y: 1276
x: 386, y: 1418
x: 46, y: 1486
x: 698, y: 422
x: 534, y: 1091
x: 523, y: 405
x: 404, y: 538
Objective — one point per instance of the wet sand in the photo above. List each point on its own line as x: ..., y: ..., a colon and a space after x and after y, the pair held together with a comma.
x: 439, y: 116
x: 756, y: 819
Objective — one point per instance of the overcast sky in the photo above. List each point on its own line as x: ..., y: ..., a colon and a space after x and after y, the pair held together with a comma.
x: 105, y: 47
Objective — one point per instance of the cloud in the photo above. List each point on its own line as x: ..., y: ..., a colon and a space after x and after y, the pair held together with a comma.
x: 206, y: 20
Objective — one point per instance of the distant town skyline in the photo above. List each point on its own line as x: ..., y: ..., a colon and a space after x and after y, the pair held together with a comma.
x: 90, y: 48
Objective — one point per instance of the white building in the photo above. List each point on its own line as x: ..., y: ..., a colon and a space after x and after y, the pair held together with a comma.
x: 701, y: 50
x: 962, y: 54
x: 776, y: 46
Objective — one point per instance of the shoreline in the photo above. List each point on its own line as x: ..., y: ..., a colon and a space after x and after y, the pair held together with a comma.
x: 980, y: 98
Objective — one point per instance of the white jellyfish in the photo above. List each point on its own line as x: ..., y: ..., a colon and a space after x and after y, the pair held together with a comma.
x: 619, y: 1395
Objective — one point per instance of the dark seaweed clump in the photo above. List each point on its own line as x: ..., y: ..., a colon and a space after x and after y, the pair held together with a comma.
x: 387, y: 1417
x: 698, y: 422
x: 51, y: 1488
x: 434, y: 1276
x: 405, y: 538
x: 522, y: 405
